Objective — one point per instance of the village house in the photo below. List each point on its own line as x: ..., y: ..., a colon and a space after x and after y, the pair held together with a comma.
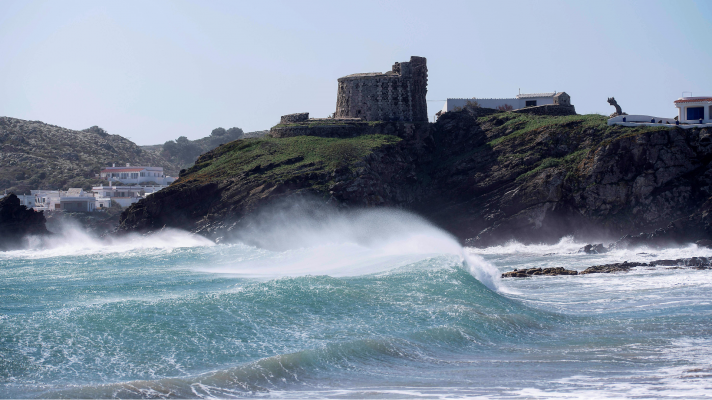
x: 515, y: 103
x: 77, y: 200
x: 136, y: 175
x: 72, y: 200
x: 694, y: 109
x: 122, y: 195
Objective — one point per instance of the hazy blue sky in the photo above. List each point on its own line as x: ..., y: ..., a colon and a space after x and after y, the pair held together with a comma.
x: 156, y: 70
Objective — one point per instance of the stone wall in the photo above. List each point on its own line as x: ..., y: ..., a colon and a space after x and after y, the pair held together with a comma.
x: 548, y: 109
x: 294, y: 118
x: 397, y: 95
x: 405, y: 130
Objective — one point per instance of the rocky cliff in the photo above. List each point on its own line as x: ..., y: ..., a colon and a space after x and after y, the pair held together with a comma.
x: 17, y: 221
x: 486, y: 177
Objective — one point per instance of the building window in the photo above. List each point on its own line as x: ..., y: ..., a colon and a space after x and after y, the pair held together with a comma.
x: 134, y: 175
x: 530, y: 103
x: 695, y: 113
x: 143, y: 174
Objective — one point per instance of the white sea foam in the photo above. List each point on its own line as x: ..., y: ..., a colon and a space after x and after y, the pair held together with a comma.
x: 565, y: 246
x: 72, y: 240
x: 568, y: 246
x: 348, y: 243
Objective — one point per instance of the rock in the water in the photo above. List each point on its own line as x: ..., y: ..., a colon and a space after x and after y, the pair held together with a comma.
x: 608, y: 268
x: 694, y: 262
x: 525, y: 273
x: 593, y: 249
x: 17, y: 221
x: 704, y: 243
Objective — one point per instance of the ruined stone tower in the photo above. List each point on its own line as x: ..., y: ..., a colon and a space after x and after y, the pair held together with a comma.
x: 397, y: 95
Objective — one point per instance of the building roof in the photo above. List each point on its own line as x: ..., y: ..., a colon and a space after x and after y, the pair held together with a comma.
x: 117, y: 169
x: 533, y: 95
x: 75, y: 192
x: 693, y: 100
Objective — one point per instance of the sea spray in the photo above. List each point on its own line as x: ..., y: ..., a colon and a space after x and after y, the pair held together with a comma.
x: 72, y: 240
x: 313, y: 239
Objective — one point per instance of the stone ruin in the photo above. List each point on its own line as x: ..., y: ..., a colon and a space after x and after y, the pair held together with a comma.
x: 294, y: 118
x: 397, y: 95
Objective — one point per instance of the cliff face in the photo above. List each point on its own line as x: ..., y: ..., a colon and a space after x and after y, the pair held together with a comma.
x: 539, y: 178
x: 235, y: 179
x: 17, y: 221
x: 485, y: 178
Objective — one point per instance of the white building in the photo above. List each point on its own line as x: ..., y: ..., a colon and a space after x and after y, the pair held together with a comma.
x: 136, y: 175
x: 72, y: 200
x: 123, y: 195
x: 77, y: 200
x: 515, y: 103
x: 692, y: 112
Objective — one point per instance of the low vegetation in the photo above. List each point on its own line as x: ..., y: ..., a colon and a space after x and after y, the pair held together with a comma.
x: 283, y: 158
x: 184, y: 152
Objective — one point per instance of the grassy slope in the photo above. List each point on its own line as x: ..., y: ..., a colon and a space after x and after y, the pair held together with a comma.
x: 583, y: 134
x: 284, y: 158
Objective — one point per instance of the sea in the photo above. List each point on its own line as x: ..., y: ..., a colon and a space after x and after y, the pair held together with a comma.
x: 373, y: 304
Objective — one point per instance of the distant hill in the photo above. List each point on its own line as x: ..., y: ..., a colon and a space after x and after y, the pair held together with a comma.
x: 183, y: 151
x: 35, y: 155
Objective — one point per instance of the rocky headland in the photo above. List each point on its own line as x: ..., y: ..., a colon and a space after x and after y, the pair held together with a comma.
x: 483, y: 175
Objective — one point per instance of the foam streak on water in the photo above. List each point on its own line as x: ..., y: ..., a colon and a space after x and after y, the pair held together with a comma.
x: 347, y: 305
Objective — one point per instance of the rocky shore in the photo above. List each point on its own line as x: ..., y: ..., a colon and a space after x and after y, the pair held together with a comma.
x: 694, y: 262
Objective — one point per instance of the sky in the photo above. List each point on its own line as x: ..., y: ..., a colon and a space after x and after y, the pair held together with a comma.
x: 155, y: 70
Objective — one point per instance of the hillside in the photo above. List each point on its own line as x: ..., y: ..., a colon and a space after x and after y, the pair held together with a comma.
x: 183, y: 152
x: 485, y: 178
x: 35, y: 155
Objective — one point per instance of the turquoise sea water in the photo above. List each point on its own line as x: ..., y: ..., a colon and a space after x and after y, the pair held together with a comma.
x: 371, y: 306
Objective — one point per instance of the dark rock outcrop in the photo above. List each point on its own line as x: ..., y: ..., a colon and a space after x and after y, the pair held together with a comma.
x: 608, y: 268
x: 525, y: 273
x: 17, y: 221
x: 694, y: 262
x: 593, y: 249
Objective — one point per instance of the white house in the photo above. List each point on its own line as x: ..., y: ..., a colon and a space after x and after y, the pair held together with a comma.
x: 123, y: 195
x: 136, y: 175
x: 74, y: 199
x: 694, y: 110
x: 515, y: 103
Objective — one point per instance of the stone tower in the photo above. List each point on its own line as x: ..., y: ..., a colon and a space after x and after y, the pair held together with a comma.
x: 397, y: 95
